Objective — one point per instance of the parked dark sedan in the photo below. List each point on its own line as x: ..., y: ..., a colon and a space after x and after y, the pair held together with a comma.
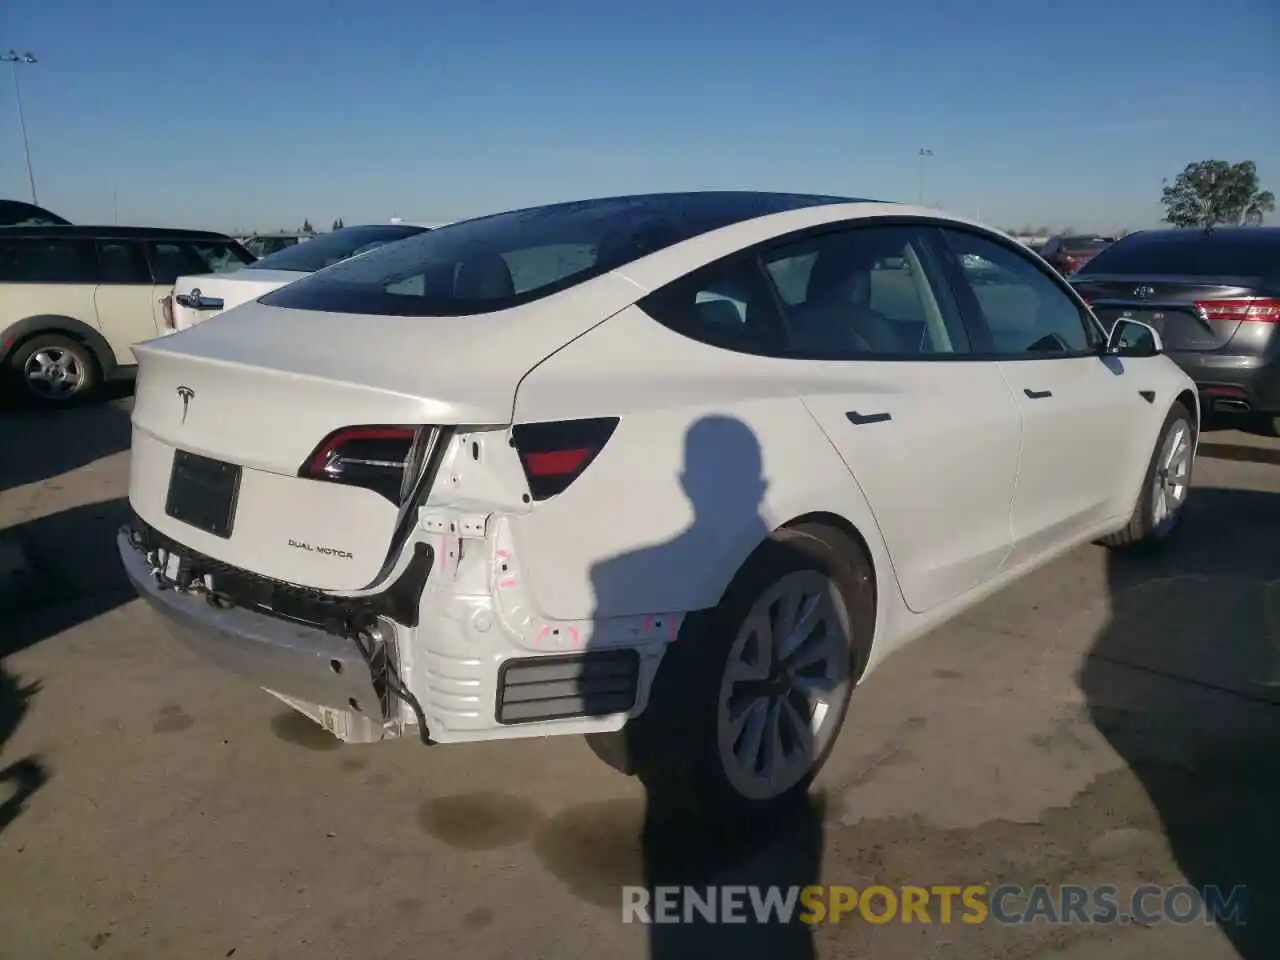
x: 1069, y: 254
x: 18, y: 213
x: 1214, y: 296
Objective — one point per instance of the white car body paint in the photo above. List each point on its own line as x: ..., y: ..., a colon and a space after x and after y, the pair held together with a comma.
x: 233, y: 289
x: 968, y: 486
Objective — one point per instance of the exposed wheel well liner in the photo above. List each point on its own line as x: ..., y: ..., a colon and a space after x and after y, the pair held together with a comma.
x: 848, y: 529
x: 1189, y: 400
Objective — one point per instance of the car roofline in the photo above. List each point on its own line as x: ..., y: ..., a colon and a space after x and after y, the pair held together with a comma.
x: 90, y: 232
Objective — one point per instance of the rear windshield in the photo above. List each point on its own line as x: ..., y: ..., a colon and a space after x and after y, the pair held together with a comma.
x: 331, y: 248
x: 1193, y: 253
x: 507, y: 259
x: 1085, y: 244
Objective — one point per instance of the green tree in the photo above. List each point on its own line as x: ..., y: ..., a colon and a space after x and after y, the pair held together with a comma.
x: 1213, y: 192
x: 306, y: 227
x: 338, y: 224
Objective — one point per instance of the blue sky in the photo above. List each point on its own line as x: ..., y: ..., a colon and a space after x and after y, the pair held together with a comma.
x: 237, y: 114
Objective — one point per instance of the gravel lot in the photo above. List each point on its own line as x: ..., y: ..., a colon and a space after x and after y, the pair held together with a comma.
x: 1104, y: 721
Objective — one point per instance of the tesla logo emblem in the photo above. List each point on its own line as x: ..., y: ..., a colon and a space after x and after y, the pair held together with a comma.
x: 1144, y: 293
x: 186, y: 393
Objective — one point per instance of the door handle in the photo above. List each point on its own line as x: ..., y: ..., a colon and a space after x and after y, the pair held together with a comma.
x: 862, y: 419
x: 195, y: 300
x: 1037, y: 394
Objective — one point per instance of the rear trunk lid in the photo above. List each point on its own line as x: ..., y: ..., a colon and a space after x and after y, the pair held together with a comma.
x: 199, y: 298
x: 261, y: 390
x: 1191, y: 313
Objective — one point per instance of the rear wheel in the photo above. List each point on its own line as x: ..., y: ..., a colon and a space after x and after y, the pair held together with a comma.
x: 748, y: 701
x: 52, y: 370
x: 1165, y: 488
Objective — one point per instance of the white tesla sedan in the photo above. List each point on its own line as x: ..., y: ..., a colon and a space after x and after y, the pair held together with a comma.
x: 675, y: 470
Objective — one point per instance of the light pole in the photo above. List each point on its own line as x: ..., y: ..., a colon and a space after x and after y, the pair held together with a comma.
x: 13, y: 58
x: 924, y: 154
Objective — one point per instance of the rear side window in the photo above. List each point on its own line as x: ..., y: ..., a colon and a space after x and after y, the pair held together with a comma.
x: 47, y: 261
x: 726, y: 304
x: 863, y: 292
x: 122, y: 261
x: 1191, y: 253
x: 508, y: 259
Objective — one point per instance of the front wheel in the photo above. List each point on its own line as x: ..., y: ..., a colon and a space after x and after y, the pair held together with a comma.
x: 1165, y: 488
x: 749, y: 699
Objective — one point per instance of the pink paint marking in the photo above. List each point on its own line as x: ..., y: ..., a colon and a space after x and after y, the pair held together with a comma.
x: 672, y: 627
x: 502, y: 554
x: 574, y: 637
x: 648, y: 624
x: 509, y: 582
x: 542, y: 635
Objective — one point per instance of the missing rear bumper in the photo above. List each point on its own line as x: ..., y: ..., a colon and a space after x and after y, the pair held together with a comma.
x: 337, y: 658
x: 593, y: 684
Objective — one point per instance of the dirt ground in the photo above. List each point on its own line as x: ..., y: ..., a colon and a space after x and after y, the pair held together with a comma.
x: 1104, y: 722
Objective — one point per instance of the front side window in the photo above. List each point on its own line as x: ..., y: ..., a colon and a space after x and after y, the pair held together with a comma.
x: 333, y: 248
x: 47, y: 261
x: 866, y: 291
x: 508, y: 259
x: 1025, y: 312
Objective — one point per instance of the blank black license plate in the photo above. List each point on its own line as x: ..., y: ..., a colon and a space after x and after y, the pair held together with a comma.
x: 203, y: 493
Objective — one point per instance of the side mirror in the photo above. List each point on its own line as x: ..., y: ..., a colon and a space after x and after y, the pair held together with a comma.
x: 1133, y: 338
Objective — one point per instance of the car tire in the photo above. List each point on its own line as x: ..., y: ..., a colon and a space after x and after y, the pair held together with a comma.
x: 70, y: 371
x: 683, y: 746
x: 1153, y: 525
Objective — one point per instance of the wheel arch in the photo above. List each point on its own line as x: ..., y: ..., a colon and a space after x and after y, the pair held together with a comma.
x: 16, y: 334
x: 1191, y: 401
x: 883, y: 579
x: 834, y: 520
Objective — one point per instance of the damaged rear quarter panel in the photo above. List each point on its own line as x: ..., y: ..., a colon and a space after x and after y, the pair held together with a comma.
x: 713, y: 451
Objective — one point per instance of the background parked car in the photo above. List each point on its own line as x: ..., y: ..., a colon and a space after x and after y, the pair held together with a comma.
x: 74, y: 300
x: 198, y: 298
x: 1069, y: 254
x: 1214, y: 297
x: 17, y: 213
x: 265, y: 244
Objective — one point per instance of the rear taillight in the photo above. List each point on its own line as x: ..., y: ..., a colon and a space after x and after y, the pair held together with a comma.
x: 166, y: 307
x: 1265, y: 309
x: 377, y: 458
x: 555, y: 454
